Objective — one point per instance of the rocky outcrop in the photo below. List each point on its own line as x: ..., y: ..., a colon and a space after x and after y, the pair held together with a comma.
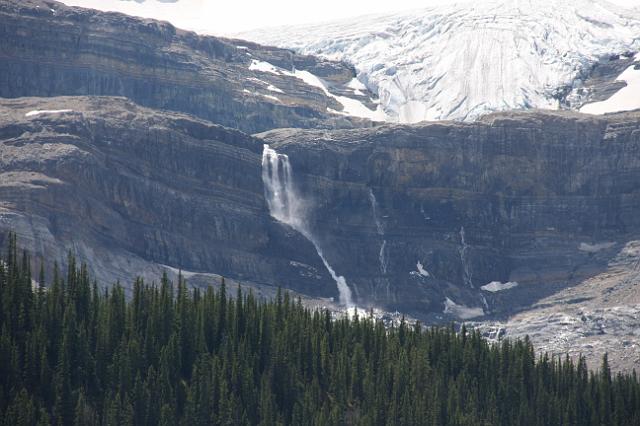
x: 420, y: 218
x: 137, y: 191
x: 416, y: 218
x: 597, y: 83
x: 49, y: 49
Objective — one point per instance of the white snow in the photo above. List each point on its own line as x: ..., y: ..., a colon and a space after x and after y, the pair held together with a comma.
x: 267, y: 85
x: 273, y: 98
x: 264, y: 95
x: 421, y: 271
x: 288, y: 206
x: 176, y: 271
x: 460, y: 61
x: 625, y: 99
x: 594, y: 248
x: 351, y: 107
x: 46, y: 111
x: 355, y: 108
x: 461, y: 311
x: 495, y: 286
x: 352, y: 311
x: 263, y: 66
x: 274, y: 88
x: 357, y: 86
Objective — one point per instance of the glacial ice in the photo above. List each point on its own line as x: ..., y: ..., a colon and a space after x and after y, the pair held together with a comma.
x: 460, y: 61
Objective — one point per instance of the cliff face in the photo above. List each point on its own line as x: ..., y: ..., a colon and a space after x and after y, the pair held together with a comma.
x: 414, y: 215
x: 49, y: 49
x: 129, y: 189
x: 416, y: 218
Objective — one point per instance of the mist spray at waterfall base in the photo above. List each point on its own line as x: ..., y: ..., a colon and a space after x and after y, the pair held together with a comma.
x: 287, y: 206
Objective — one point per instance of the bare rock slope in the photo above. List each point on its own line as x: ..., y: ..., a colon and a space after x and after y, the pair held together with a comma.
x: 49, y: 49
x: 132, y: 191
x: 490, y: 216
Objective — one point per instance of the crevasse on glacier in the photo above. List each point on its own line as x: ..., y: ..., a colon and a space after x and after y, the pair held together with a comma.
x: 465, y: 59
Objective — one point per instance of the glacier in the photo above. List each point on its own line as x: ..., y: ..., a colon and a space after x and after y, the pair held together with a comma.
x: 463, y: 60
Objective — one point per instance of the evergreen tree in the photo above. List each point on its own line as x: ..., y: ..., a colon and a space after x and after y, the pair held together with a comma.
x: 71, y: 353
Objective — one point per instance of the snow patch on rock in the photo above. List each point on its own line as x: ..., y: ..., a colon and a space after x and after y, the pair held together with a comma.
x: 264, y: 95
x: 351, y: 107
x: 46, y: 111
x: 176, y: 271
x: 421, y: 271
x: 263, y: 67
x: 625, y: 99
x: 461, y: 311
x: 273, y: 88
x: 594, y: 248
x: 495, y: 286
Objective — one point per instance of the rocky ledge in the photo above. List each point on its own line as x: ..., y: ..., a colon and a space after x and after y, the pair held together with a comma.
x: 49, y: 49
x: 138, y: 191
x: 445, y: 220
x: 529, y: 216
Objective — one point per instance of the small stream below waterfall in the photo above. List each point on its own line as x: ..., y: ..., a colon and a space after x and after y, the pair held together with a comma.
x: 287, y: 206
x: 466, y: 267
x: 382, y: 255
x: 464, y: 259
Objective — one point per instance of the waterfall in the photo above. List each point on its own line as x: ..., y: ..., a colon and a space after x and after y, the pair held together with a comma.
x: 374, y: 209
x: 466, y: 267
x: 284, y: 203
x: 287, y: 206
x: 382, y: 255
x: 464, y: 251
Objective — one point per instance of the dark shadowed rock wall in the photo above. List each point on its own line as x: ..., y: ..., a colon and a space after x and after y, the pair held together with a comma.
x: 410, y: 215
x: 49, y: 49
x: 541, y: 199
x: 126, y: 188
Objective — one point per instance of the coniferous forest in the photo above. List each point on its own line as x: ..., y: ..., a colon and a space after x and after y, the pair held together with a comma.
x: 74, y: 354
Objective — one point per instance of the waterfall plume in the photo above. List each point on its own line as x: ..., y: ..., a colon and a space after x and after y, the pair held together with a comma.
x: 287, y: 206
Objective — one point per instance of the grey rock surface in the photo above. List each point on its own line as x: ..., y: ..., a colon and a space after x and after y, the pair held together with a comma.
x: 136, y: 191
x: 49, y: 49
x: 418, y: 219
x: 541, y: 199
x: 598, y: 315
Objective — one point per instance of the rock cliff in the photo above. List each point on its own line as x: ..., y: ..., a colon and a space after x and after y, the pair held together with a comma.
x: 420, y: 218
x: 527, y: 222
x: 49, y: 49
x: 132, y: 190
x: 440, y: 220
